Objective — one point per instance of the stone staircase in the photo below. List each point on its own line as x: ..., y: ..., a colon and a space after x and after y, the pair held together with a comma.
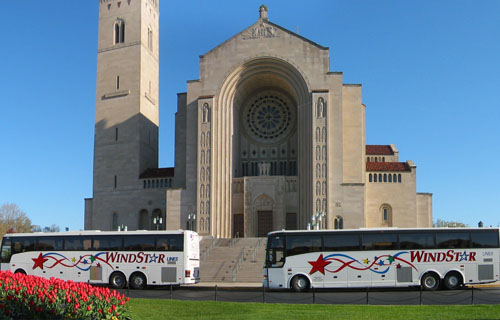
x: 232, y: 260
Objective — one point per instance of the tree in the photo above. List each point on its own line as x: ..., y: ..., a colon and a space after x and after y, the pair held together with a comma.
x: 13, y: 219
x: 52, y: 228
x: 449, y: 224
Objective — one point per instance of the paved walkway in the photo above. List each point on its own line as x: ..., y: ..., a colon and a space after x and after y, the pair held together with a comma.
x: 259, y: 285
x: 227, y: 284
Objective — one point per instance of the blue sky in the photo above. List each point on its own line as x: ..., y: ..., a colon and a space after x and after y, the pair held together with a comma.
x: 430, y: 72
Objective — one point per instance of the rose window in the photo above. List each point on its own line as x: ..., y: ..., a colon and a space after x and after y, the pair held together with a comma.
x: 268, y: 117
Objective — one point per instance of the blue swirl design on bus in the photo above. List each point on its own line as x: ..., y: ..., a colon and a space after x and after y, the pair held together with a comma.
x: 83, y: 263
x: 379, y: 264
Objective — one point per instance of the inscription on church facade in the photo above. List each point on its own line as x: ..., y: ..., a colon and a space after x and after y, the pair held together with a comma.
x: 261, y: 31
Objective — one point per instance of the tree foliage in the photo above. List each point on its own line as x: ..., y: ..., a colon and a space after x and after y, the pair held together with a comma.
x: 13, y: 219
x: 52, y: 228
x: 449, y: 224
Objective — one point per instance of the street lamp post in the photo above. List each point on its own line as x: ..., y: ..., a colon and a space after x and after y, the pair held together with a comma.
x: 191, y: 221
x: 157, y: 221
x: 316, y: 221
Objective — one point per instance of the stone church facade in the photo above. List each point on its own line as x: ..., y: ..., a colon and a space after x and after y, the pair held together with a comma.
x: 267, y: 138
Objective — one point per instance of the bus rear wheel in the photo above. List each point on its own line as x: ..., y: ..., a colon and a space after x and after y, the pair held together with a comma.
x: 299, y: 283
x: 452, y: 281
x: 430, y: 282
x: 138, y: 281
x: 21, y: 271
x: 117, y: 280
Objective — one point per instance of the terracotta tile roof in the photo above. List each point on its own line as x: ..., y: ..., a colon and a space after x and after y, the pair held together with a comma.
x: 157, y: 173
x: 387, y: 166
x: 379, y: 150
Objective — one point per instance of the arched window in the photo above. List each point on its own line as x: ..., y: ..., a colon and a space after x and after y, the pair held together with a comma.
x: 390, y: 177
x: 119, y: 31
x: 318, y: 134
x: 318, y: 170
x: 394, y: 178
x: 379, y: 177
x: 386, y: 215
x: 370, y: 177
x: 323, y: 134
x: 385, y: 177
x: 338, y: 223
x: 202, y: 138
x: 399, y: 178
x: 375, y: 177
x: 318, y: 188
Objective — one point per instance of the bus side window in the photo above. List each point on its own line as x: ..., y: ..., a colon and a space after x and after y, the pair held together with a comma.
x: 452, y: 240
x: 50, y: 243
x: 87, y: 244
x: 162, y: 243
x: 484, y: 239
x: 23, y: 244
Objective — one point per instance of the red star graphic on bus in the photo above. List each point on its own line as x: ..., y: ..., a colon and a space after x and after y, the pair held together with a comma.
x: 39, y: 261
x: 318, y: 265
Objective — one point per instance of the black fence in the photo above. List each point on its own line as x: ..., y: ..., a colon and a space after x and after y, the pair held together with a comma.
x: 466, y: 296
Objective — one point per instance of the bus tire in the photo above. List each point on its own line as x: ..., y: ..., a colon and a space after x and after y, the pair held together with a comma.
x: 117, y: 280
x: 299, y: 283
x: 430, y: 281
x: 21, y: 271
x: 138, y: 281
x: 453, y: 280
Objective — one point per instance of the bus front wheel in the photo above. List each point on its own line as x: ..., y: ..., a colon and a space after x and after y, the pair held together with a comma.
x: 138, y: 281
x: 21, y: 271
x: 452, y: 281
x: 300, y: 283
x: 117, y: 280
x: 430, y: 282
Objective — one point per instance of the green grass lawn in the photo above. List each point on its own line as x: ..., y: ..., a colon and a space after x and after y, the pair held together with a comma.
x: 174, y: 309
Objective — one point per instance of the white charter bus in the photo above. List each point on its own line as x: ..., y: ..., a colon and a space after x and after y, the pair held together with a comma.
x: 139, y: 258
x: 431, y: 258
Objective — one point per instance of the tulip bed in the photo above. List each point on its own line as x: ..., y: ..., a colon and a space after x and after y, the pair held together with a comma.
x: 31, y: 297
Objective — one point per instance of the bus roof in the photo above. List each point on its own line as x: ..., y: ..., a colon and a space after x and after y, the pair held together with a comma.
x: 380, y: 229
x: 96, y: 232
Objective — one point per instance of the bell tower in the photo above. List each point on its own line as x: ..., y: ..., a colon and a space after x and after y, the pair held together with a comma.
x: 127, y: 103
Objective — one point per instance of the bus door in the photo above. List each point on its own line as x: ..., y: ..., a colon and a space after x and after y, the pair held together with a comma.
x: 275, y: 260
x: 5, y: 254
